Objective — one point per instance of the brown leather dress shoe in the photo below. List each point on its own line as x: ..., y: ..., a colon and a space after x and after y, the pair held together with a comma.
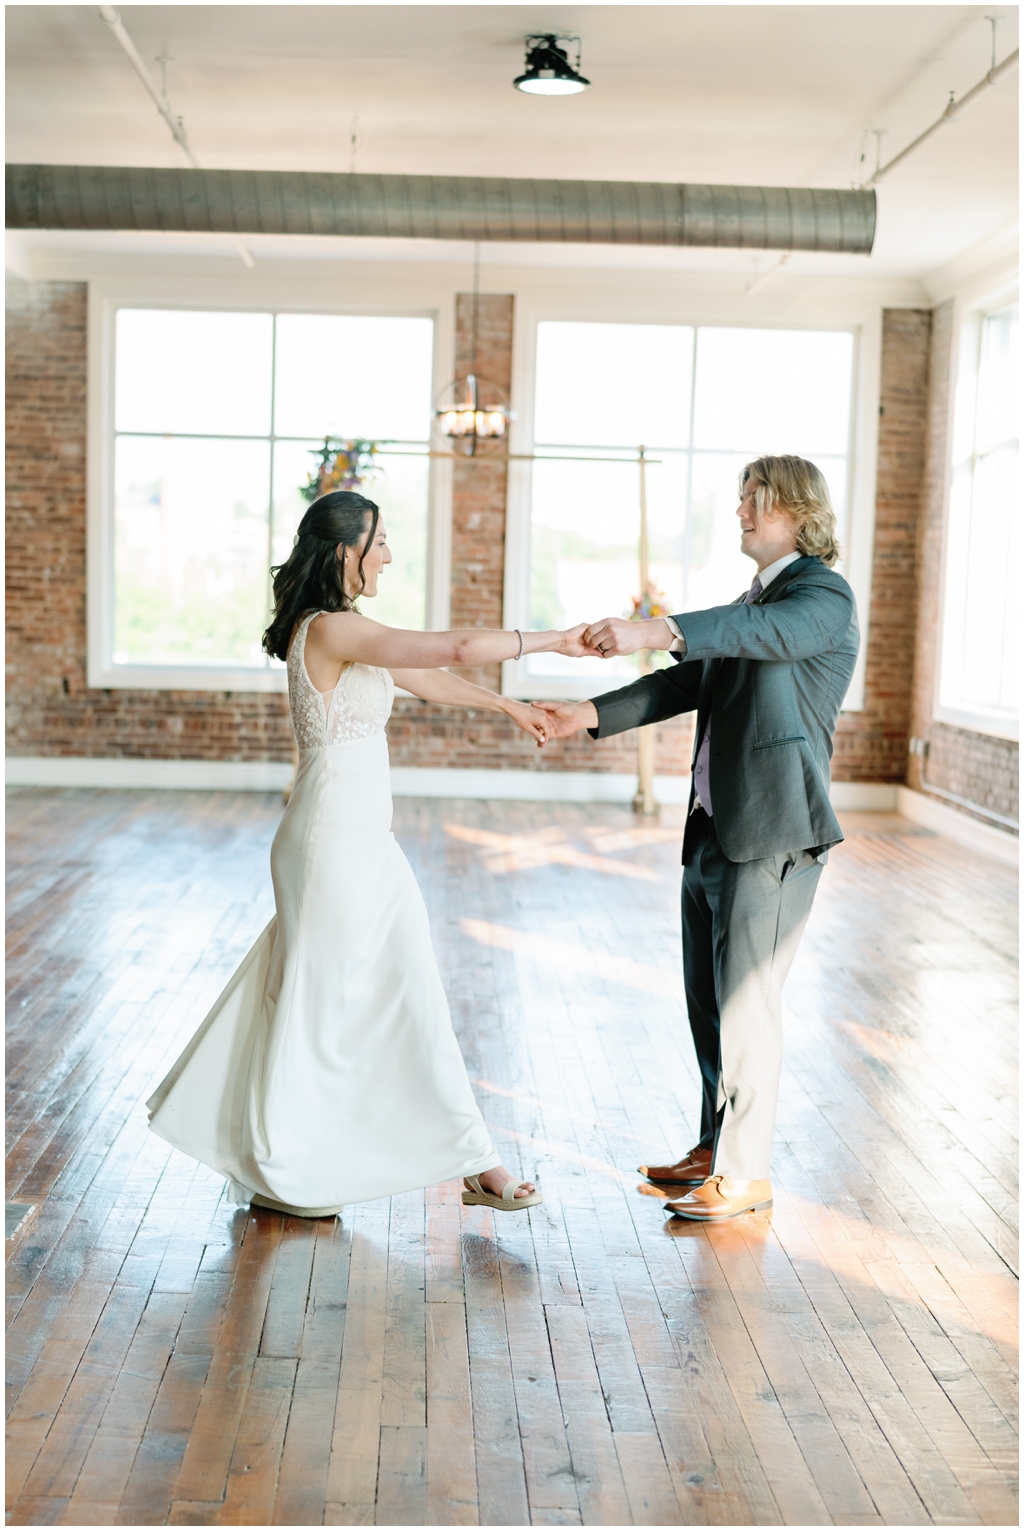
x: 721, y: 1197
x: 693, y: 1170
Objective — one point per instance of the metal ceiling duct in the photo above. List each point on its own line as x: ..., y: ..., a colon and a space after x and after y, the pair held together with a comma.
x: 439, y: 207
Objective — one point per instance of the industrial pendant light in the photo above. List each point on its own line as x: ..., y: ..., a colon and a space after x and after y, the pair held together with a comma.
x: 548, y: 71
x: 472, y: 412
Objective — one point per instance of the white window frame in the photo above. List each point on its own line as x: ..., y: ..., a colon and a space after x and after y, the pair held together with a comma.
x: 275, y: 295
x: 856, y: 566
x: 970, y: 310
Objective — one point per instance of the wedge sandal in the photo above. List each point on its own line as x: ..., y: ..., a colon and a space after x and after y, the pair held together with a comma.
x: 289, y: 1211
x: 508, y: 1201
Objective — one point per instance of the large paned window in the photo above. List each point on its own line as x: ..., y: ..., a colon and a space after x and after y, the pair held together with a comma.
x: 702, y: 402
x: 979, y: 671
x: 215, y: 417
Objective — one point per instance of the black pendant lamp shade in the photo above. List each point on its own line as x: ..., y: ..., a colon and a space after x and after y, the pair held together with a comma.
x: 548, y: 71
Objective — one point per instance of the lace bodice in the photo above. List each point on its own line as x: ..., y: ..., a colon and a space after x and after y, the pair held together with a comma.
x: 359, y: 706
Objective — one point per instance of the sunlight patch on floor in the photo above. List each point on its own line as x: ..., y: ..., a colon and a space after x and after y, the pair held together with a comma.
x: 568, y: 958
x: 521, y: 853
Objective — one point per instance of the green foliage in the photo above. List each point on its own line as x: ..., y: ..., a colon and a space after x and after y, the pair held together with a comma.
x: 344, y: 464
x: 152, y: 627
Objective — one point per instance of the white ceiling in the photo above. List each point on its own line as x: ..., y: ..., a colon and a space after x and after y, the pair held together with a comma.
x: 763, y: 94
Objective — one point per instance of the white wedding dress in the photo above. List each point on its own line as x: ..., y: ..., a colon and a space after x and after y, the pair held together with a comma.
x: 328, y: 1071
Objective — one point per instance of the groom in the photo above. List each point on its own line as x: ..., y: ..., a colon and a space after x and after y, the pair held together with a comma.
x: 766, y: 676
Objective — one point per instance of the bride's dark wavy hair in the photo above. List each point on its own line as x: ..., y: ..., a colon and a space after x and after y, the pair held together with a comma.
x: 312, y: 577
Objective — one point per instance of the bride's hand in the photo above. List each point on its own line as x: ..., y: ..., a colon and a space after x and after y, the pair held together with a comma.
x: 531, y: 720
x: 573, y: 645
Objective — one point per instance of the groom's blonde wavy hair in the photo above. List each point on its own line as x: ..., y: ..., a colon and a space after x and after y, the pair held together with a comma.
x: 798, y: 489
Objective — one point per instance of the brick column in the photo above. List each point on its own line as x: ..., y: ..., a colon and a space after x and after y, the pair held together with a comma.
x: 46, y: 416
x: 871, y: 745
x: 931, y: 528
x: 479, y: 484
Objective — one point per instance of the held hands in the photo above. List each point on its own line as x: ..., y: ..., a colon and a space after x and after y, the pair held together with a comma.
x: 551, y: 720
x: 531, y: 720
x: 575, y: 645
x: 612, y: 636
x: 600, y: 640
x: 565, y: 718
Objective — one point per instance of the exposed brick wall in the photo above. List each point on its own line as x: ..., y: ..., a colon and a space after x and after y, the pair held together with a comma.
x: 977, y: 768
x: 479, y: 484
x: 52, y: 712
x: 50, y: 709
x: 871, y: 745
x: 45, y: 471
x: 929, y: 552
x: 422, y: 735
x: 149, y: 725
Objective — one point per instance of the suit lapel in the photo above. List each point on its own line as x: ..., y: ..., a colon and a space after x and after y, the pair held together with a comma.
x: 712, y: 666
x: 707, y: 682
x: 779, y: 583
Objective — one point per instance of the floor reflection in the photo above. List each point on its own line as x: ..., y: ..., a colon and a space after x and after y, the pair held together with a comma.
x: 545, y: 847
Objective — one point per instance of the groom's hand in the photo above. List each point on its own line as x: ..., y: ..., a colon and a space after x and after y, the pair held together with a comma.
x: 612, y: 636
x: 565, y: 718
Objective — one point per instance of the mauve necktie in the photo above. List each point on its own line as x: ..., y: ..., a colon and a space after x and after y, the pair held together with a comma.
x: 701, y: 773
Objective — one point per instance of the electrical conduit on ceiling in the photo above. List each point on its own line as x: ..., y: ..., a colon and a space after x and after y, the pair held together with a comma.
x: 954, y: 110
x: 159, y: 99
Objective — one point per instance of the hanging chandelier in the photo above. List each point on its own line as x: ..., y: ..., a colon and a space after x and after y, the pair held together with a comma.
x: 477, y: 412
x: 473, y: 412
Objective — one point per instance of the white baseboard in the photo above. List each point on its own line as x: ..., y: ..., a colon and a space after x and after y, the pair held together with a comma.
x: 533, y: 786
x: 592, y: 787
x: 932, y: 814
x: 172, y: 775
x: 406, y: 781
x: 273, y: 776
x: 871, y: 796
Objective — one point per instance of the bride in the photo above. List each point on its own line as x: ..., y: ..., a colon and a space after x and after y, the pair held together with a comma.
x: 328, y: 1071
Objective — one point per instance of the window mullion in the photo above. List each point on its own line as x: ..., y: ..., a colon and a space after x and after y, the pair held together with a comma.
x: 688, y: 525
x: 272, y: 454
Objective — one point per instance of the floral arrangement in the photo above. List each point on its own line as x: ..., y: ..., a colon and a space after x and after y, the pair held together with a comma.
x: 343, y: 465
x: 651, y: 604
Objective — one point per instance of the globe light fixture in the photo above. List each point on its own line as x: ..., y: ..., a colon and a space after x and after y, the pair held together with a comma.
x: 548, y: 71
x: 471, y: 412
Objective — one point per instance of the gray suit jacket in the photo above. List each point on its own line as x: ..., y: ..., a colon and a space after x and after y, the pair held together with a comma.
x: 771, y: 676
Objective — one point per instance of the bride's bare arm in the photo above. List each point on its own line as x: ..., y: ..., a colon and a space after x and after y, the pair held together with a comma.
x: 345, y: 637
x: 453, y: 691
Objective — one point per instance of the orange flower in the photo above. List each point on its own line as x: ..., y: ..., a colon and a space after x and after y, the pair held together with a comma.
x: 650, y: 604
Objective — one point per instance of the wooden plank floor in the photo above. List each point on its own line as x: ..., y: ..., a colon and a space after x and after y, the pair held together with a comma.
x: 849, y: 1359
